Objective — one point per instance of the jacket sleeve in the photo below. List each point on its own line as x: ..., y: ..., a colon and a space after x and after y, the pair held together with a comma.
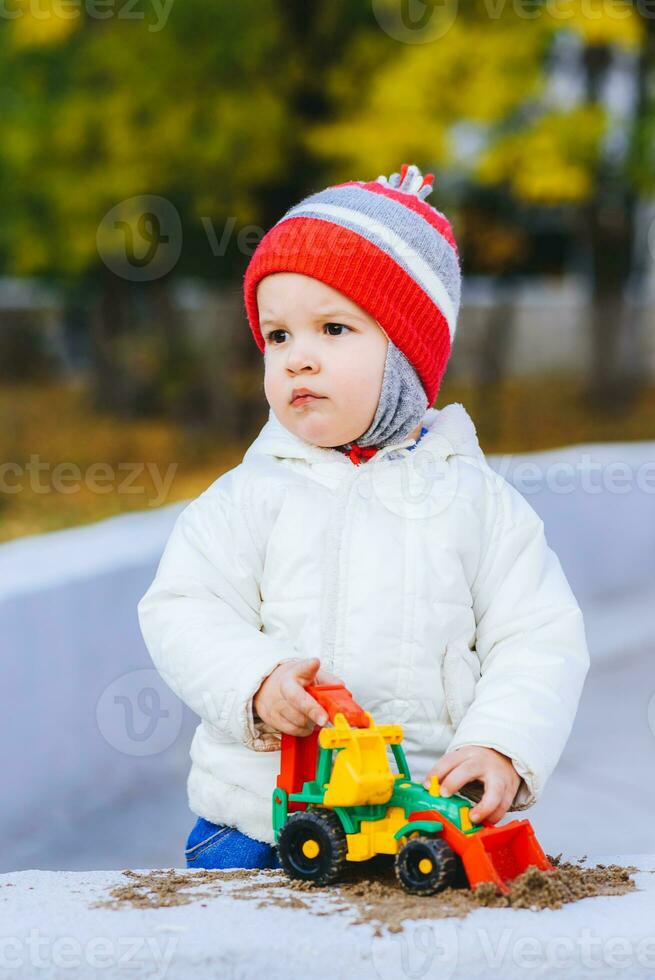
x: 531, y: 643
x: 201, y: 624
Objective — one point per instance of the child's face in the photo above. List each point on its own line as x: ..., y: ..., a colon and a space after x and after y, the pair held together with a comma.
x: 319, y: 339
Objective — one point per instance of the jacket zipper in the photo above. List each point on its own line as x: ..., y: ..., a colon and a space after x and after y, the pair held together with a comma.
x: 332, y: 653
x: 333, y: 578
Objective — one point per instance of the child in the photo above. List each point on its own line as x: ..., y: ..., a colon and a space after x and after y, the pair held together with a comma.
x: 364, y: 537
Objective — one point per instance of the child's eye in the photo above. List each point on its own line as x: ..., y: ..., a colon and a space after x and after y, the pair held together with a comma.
x: 272, y: 335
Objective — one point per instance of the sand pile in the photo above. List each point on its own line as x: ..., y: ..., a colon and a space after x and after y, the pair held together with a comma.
x: 371, y: 895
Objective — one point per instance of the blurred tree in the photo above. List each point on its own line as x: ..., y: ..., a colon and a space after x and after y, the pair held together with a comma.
x: 312, y: 37
x: 121, y: 133
x: 480, y: 105
x: 114, y: 115
x: 124, y: 137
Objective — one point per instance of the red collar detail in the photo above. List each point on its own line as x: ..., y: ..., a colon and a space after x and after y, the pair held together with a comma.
x: 359, y: 453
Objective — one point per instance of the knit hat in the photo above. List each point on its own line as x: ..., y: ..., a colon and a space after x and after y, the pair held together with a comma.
x: 384, y: 247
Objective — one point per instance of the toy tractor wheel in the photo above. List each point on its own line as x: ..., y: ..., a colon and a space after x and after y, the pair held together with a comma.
x: 312, y: 846
x: 425, y: 865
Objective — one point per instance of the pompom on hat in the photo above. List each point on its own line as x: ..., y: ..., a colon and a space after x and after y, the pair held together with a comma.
x: 381, y: 244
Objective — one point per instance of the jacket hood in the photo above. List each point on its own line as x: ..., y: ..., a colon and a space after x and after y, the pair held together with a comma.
x: 450, y: 431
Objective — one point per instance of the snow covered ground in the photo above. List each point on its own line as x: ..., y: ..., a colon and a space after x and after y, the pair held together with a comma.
x: 50, y: 929
x: 98, y: 746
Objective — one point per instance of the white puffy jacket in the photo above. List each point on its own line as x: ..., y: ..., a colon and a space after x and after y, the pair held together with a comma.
x: 421, y: 577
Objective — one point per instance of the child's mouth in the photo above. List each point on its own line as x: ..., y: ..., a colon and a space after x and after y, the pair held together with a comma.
x: 304, y: 399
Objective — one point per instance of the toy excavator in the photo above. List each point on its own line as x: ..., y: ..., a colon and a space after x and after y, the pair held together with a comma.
x: 329, y: 811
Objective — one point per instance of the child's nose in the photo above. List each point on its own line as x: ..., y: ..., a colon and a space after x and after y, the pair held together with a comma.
x: 300, y: 360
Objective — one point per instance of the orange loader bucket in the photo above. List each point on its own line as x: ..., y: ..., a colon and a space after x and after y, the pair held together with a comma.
x: 495, y: 854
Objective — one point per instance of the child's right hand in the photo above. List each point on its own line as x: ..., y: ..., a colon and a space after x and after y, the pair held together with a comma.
x: 282, y: 701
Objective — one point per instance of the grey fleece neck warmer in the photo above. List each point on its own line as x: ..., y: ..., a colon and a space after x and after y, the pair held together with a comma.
x: 402, y: 403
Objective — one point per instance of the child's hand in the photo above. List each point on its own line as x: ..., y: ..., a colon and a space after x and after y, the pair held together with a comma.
x: 283, y: 702
x: 470, y: 762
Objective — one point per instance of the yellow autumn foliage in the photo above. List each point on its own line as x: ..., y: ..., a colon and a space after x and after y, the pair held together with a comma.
x: 598, y: 22
x: 488, y: 72
x: 41, y: 24
x: 550, y: 161
x: 418, y: 95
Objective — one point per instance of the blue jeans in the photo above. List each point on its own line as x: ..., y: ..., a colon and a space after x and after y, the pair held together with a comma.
x: 215, y: 845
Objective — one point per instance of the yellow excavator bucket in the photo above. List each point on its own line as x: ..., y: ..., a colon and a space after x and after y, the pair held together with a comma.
x: 361, y: 774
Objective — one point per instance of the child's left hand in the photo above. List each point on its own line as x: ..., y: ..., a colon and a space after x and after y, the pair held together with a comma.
x: 494, y: 769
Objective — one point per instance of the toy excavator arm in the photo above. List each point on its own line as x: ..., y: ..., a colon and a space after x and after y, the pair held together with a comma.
x: 335, y: 698
x: 343, y: 734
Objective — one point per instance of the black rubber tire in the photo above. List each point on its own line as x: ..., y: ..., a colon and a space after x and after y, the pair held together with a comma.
x: 446, y: 866
x: 322, y: 826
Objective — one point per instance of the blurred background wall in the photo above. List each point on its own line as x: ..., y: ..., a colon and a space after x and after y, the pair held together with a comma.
x: 145, y: 148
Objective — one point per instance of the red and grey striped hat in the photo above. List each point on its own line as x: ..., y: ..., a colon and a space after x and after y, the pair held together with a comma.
x: 384, y: 247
